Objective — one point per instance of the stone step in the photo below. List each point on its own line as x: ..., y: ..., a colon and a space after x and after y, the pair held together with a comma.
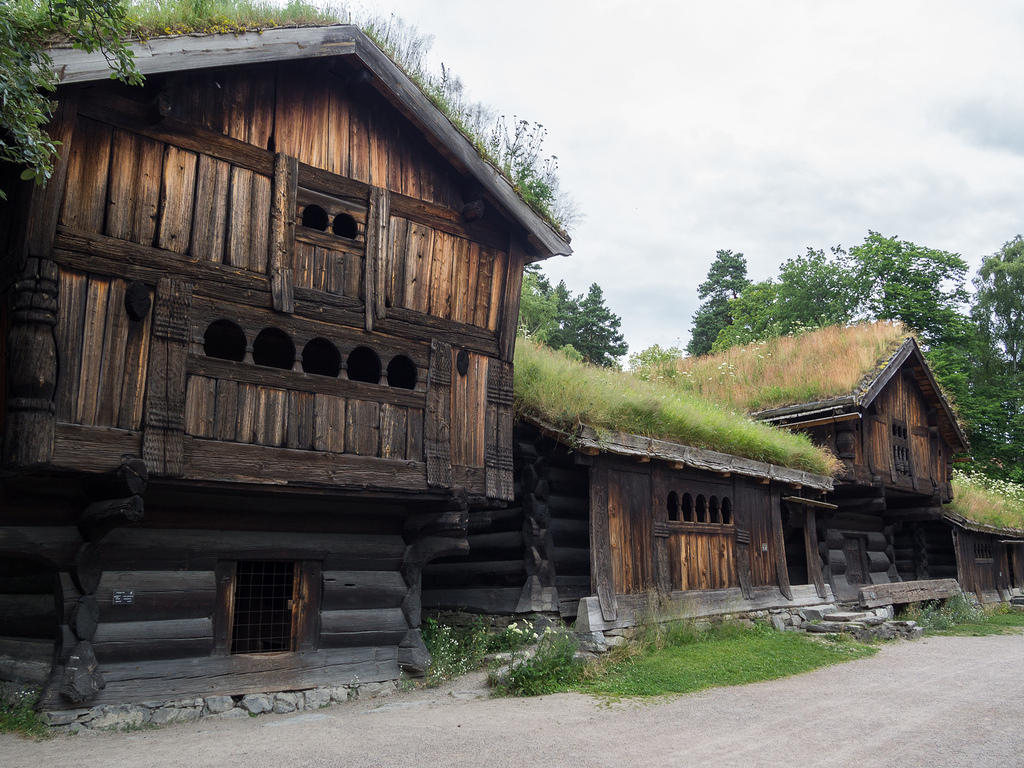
x: 1017, y: 600
x: 850, y: 615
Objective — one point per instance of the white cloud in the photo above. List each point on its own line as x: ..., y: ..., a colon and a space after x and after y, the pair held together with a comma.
x: 682, y: 128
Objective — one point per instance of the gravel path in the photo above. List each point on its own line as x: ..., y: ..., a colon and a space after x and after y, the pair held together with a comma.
x: 952, y: 701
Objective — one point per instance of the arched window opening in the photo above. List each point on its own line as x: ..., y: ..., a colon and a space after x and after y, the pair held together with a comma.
x: 726, y: 511
x: 345, y: 226
x: 273, y: 348
x: 687, y: 508
x: 314, y: 217
x: 363, y: 365
x: 402, y: 372
x: 673, y: 506
x: 322, y: 358
x: 713, y: 508
x: 702, y: 508
x: 225, y: 340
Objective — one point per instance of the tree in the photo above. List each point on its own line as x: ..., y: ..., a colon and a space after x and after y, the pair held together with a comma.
x: 655, y: 362
x: 727, y: 277
x: 27, y: 76
x: 999, y: 301
x: 922, y: 287
x: 582, y: 324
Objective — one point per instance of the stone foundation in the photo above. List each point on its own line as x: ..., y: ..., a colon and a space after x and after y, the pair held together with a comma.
x: 152, y: 713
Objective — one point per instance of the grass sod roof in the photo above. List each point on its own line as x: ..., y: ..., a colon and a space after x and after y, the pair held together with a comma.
x: 811, y: 367
x: 987, y: 505
x: 152, y: 20
x: 568, y: 395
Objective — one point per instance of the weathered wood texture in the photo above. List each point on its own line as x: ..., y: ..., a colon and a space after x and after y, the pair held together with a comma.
x: 908, y: 592
x: 694, y: 604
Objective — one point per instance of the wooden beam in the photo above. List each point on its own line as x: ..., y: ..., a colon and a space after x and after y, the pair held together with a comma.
x: 814, y: 573
x: 282, y: 232
x: 602, y: 575
x: 902, y: 592
x: 781, y: 571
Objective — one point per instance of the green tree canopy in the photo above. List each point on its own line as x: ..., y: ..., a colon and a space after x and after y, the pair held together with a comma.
x: 726, y: 279
x: 582, y: 324
x: 26, y: 71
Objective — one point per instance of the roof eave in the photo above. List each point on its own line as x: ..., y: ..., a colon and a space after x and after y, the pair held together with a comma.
x: 638, y: 446
x: 207, y: 51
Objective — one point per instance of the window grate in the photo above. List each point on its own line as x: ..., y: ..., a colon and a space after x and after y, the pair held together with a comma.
x: 263, y: 606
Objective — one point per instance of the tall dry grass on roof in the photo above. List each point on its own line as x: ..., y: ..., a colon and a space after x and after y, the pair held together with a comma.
x: 566, y: 393
x: 988, y: 501
x: 816, y: 365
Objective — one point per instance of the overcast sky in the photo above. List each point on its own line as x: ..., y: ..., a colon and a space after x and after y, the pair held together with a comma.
x: 762, y: 127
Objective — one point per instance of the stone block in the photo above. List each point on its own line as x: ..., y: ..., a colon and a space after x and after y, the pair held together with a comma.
x: 595, y: 642
x: 63, y: 717
x: 377, y: 690
x: 218, y: 704
x: 779, y: 622
x: 812, y: 614
x: 232, y: 714
x: 168, y: 715
x: 257, y: 703
x: 615, y: 641
x: 340, y: 693
x: 118, y: 716
x: 317, y: 698
x: 285, y: 702
x: 824, y: 626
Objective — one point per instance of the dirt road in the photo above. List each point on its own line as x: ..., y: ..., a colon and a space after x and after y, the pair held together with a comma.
x: 935, y: 702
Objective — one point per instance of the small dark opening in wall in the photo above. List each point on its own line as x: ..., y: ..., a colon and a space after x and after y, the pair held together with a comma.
x: 363, y: 365
x: 225, y: 340
x: 687, y: 508
x: 726, y: 511
x: 273, y: 347
x: 716, y: 512
x: 345, y: 226
x: 314, y: 217
x: 322, y: 358
x: 263, y: 606
x: 402, y: 372
x: 673, y: 505
x: 702, y: 509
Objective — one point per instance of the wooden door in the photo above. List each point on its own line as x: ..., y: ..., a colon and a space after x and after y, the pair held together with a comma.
x: 629, y: 531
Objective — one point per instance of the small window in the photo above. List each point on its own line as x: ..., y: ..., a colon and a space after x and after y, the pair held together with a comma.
x: 673, y: 505
x: 702, y: 508
x: 225, y: 340
x: 714, y: 510
x: 264, y: 599
x: 314, y: 217
x: 363, y: 365
x: 321, y: 357
x: 726, y: 511
x: 345, y: 226
x: 402, y: 372
x: 273, y: 348
x: 687, y: 508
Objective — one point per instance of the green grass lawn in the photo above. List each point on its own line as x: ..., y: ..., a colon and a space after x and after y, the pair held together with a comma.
x: 990, y: 624
x: 686, y: 660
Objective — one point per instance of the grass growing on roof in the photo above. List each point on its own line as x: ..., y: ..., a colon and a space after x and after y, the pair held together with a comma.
x: 566, y: 393
x: 686, y: 658
x: 988, y: 501
x: 811, y: 366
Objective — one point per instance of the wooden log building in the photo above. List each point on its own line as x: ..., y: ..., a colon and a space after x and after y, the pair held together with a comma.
x: 897, y: 436
x: 257, y: 338
x: 604, y: 523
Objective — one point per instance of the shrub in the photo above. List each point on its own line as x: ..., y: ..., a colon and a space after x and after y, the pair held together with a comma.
x: 553, y: 667
x: 937, y: 615
x: 18, y: 714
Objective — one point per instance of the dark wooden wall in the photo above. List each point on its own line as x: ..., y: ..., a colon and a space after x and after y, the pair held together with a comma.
x: 986, y: 565
x: 925, y: 550
x: 914, y: 458
x: 286, y: 196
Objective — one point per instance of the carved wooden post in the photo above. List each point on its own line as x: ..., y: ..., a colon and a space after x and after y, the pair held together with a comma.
x: 437, y: 444
x: 163, y: 436
x: 32, y: 366
x: 428, y: 536
x: 375, y: 264
x: 32, y: 348
x: 282, y: 232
